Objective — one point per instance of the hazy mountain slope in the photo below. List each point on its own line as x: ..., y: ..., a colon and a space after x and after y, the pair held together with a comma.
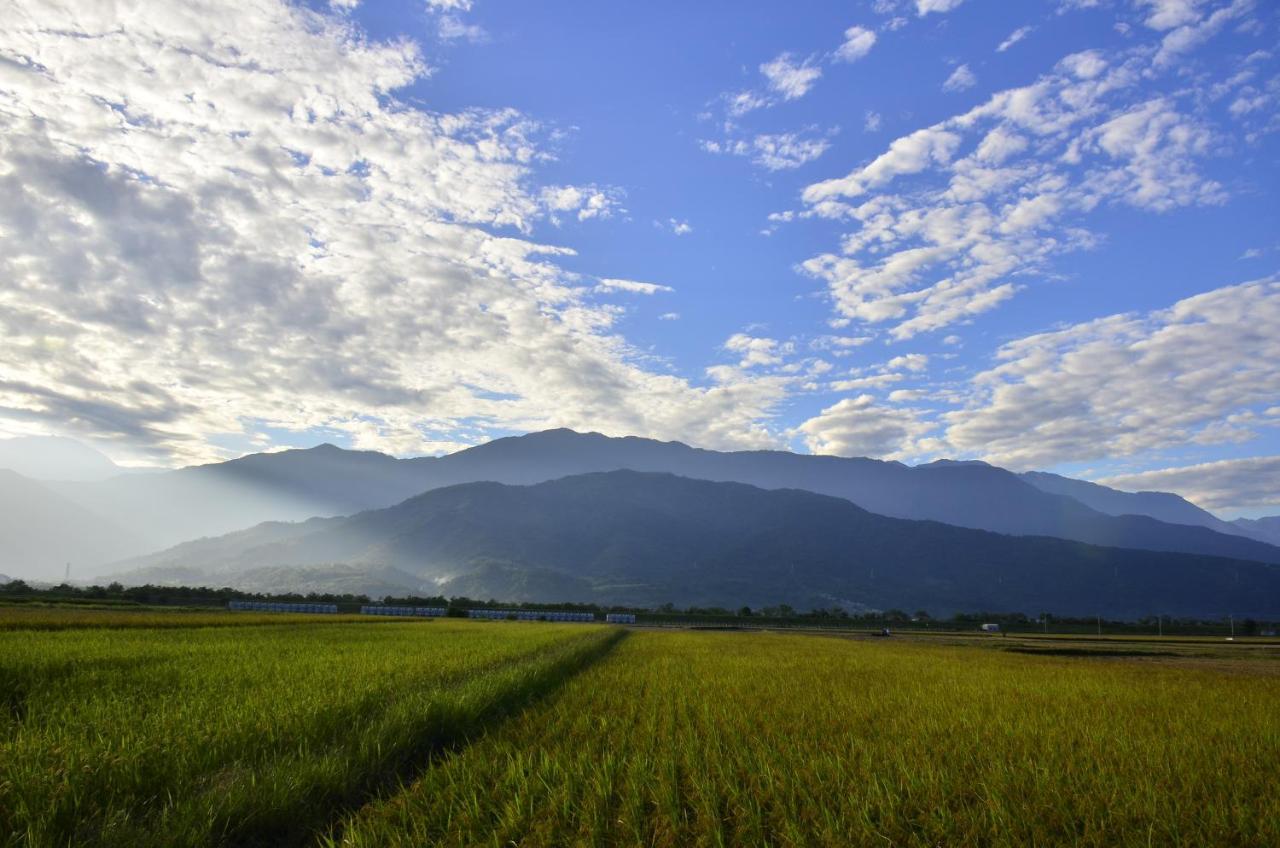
x: 648, y: 538
x: 54, y: 458
x: 40, y: 532
x: 291, y: 485
x: 1263, y: 529
x: 209, y: 500
x: 1162, y: 506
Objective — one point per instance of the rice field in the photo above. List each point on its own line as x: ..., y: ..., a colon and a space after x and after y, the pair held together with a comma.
x: 719, y: 739
x: 245, y: 735
x: 449, y: 732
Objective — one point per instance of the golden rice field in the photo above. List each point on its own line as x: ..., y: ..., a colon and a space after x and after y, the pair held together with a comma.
x: 528, y: 734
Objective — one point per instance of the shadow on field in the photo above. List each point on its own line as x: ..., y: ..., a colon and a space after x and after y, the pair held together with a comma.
x: 443, y: 738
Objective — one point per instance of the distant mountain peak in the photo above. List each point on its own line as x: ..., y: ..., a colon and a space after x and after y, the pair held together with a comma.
x: 55, y: 458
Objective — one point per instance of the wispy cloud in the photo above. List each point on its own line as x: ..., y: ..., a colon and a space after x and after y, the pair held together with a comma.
x: 1014, y: 37
x: 960, y: 79
x: 858, y: 42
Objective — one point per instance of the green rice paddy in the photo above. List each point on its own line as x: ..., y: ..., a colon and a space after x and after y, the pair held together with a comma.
x: 452, y: 732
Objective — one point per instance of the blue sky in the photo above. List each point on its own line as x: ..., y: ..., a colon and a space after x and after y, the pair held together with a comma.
x: 1039, y: 234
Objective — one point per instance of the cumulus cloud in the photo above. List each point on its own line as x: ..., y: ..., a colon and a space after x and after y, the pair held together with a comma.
x: 860, y: 426
x: 218, y: 220
x: 1200, y: 372
x: 858, y: 42
x: 1229, y: 484
x: 583, y: 202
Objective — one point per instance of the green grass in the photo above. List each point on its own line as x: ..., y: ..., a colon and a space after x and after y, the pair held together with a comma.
x: 246, y: 735
x: 761, y: 739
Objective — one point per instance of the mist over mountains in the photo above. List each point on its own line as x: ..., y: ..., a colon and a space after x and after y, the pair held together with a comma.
x: 164, y: 509
x: 643, y: 538
x: 271, y: 521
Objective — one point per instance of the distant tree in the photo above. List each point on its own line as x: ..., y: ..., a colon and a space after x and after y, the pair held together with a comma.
x: 745, y: 611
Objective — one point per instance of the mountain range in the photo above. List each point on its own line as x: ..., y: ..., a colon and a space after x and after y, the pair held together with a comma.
x: 204, y: 511
x: 163, y: 509
x: 642, y: 538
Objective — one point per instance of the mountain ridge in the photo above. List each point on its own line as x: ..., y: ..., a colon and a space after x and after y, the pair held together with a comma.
x: 646, y: 538
x: 328, y: 481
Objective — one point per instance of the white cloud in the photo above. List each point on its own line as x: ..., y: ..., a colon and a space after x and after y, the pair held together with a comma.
x: 1229, y: 484
x: 924, y: 7
x: 871, y: 381
x: 669, y: 316
x: 858, y: 42
x: 1084, y: 65
x: 743, y: 102
x: 861, y: 426
x: 909, y: 362
x: 786, y: 150
x: 1196, y: 31
x: 615, y: 285
x: 1014, y: 37
x: 871, y: 121
x: 789, y: 79
x: 1200, y: 372
x: 675, y: 226
x: 453, y: 28
x: 952, y: 219
x: 907, y: 155
x: 1167, y: 14
x: 218, y: 221
x: 960, y: 79
x: 584, y: 202
x: 774, y: 152
x: 755, y: 350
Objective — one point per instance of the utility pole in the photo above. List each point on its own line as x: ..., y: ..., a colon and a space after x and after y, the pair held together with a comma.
x: 1232, y: 619
x: 1099, y: 624
x: 1160, y: 624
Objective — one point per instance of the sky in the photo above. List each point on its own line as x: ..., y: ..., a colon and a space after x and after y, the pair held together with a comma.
x: 1043, y: 235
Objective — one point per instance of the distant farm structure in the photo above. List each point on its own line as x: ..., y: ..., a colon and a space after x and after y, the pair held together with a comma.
x: 271, y: 606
